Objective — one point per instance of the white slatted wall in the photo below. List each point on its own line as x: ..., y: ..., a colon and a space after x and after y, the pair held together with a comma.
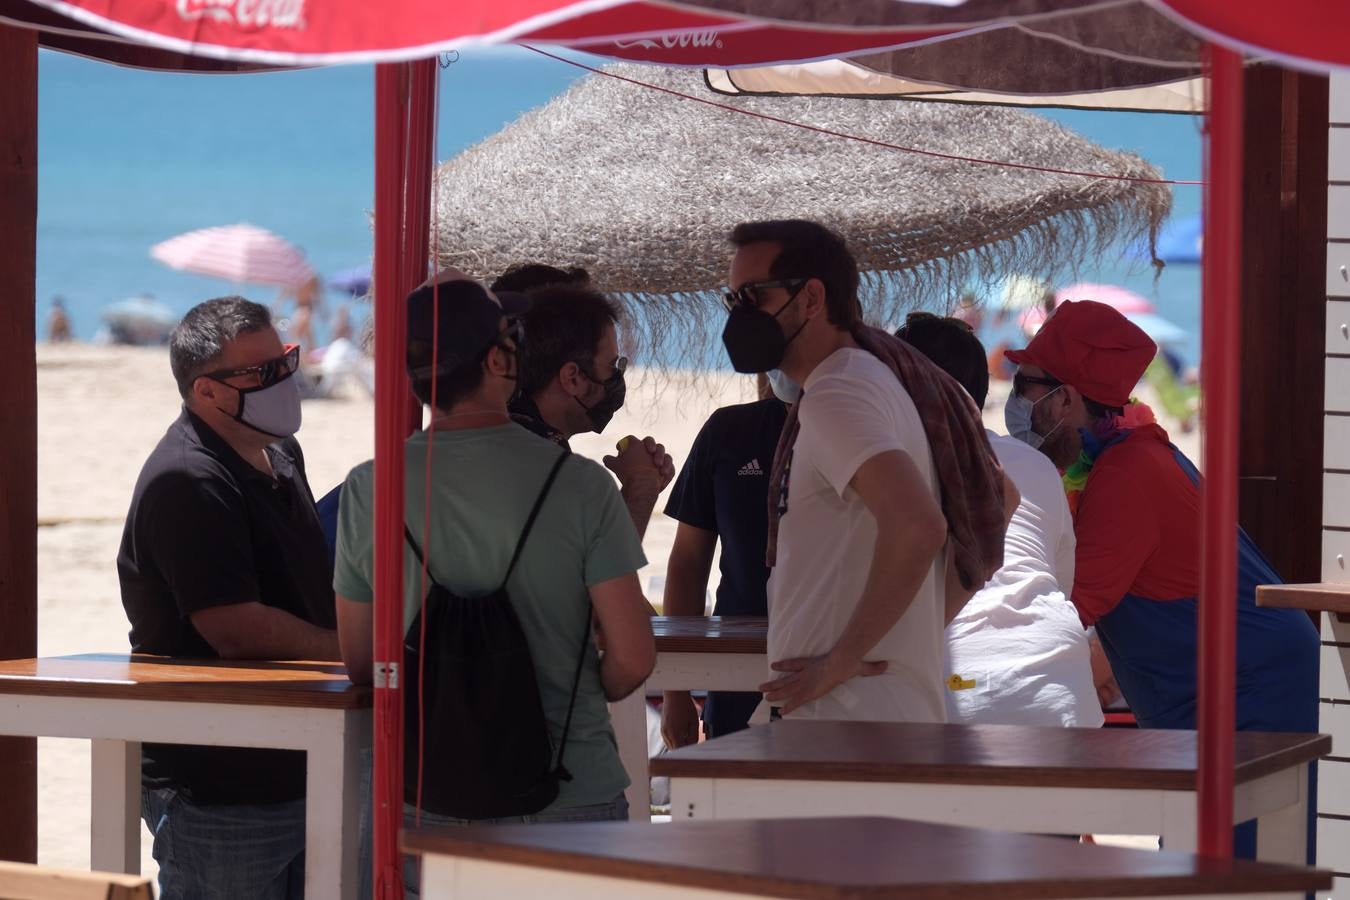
x: 1333, y: 827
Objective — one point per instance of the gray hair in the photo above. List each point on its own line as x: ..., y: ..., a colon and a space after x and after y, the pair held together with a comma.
x: 198, y: 341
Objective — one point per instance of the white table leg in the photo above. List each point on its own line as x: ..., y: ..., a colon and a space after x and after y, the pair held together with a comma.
x: 1181, y: 827
x: 1282, y: 834
x: 115, y: 806
x: 629, y: 718
x: 332, y: 807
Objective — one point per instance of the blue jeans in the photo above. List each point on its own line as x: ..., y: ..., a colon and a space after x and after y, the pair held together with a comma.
x: 616, y: 809
x: 229, y: 852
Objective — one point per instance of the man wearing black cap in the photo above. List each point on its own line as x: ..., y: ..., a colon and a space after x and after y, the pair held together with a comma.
x: 485, y: 475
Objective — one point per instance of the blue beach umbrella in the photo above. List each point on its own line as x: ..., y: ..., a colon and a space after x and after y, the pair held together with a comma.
x: 355, y: 281
x: 1181, y: 241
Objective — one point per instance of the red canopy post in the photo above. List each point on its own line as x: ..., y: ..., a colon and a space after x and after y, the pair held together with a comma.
x: 1220, y: 376
x: 391, y: 391
x: 18, y: 417
x: 405, y: 122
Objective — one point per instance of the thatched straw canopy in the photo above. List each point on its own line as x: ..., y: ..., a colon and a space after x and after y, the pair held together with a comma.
x: 641, y: 188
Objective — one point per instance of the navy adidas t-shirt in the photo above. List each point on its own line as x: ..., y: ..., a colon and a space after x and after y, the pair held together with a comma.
x: 724, y: 487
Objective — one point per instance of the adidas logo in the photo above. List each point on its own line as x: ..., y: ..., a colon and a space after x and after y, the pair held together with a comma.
x: 750, y: 468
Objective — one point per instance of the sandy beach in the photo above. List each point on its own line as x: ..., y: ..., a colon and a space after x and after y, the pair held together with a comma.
x: 102, y: 409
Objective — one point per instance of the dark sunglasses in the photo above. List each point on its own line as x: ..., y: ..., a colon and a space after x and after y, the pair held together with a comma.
x: 1021, y: 381
x: 748, y: 294
x: 616, y: 369
x: 267, y: 373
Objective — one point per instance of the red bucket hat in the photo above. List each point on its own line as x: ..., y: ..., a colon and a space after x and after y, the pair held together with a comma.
x: 1093, y: 347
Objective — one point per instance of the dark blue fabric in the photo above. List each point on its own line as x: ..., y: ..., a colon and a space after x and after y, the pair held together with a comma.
x: 327, y: 508
x: 724, y: 487
x: 1152, y: 646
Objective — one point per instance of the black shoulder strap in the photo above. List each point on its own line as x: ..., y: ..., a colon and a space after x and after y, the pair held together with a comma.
x: 559, y: 770
x: 534, y: 514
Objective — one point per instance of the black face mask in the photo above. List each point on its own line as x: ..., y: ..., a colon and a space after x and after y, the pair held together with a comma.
x: 604, y: 409
x: 753, y: 339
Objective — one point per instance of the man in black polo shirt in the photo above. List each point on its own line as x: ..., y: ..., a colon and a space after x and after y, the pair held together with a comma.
x: 222, y: 557
x: 723, y: 493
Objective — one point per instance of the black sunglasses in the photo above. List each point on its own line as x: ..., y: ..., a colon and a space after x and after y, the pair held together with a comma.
x: 747, y: 294
x: 267, y: 373
x: 1020, y: 382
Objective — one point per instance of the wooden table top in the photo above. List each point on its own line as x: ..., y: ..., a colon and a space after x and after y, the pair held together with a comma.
x: 978, y: 754
x: 858, y: 858
x: 137, y: 676
x: 1330, y: 597
x: 711, y: 634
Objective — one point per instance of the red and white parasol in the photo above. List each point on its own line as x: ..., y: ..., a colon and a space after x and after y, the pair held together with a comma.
x: 238, y: 253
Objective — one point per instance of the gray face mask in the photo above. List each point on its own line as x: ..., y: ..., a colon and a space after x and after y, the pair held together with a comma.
x: 1017, y: 418
x: 274, y: 410
x: 784, y: 388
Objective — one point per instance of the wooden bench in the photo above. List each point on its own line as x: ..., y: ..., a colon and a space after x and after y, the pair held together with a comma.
x: 712, y: 653
x: 20, y: 881
x: 1018, y: 778
x: 818, y: 859
x: 119, y: 700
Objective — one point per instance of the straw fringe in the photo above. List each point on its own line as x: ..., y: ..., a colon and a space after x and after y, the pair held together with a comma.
x: 641, y: 189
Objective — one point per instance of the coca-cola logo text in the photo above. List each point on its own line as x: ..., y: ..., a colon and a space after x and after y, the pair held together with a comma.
x: 695, y: 39
x: 246, y: 13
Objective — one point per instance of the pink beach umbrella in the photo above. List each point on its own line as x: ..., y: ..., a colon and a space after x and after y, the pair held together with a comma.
x: 238, y: 253
x: 1122, y: 299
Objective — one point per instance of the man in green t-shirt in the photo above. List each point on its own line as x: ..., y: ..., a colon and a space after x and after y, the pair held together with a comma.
x: 485, y: 473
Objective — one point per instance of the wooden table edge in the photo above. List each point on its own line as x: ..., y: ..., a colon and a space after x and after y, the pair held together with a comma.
x: 446, y: 842
x: 1315, y: 747
x: 342, y: 694
x: 1326, y: 597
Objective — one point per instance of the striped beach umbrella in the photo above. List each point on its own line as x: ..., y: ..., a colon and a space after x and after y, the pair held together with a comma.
x: 238, y: 253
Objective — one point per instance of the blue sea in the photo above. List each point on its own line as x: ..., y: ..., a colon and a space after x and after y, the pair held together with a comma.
x: 129, y: 158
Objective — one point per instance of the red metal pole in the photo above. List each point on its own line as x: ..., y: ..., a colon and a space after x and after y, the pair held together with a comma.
x: 419, y: 163
x: 1221, y: 332
x: 391, y: 392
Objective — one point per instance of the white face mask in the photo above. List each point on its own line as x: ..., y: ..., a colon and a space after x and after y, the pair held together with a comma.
x: 784, y: 388
x: 1017, y: 417
x: 274, y: 410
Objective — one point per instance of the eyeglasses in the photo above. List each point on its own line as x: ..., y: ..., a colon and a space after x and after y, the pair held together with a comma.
x: 1020, y: 382
x: 748, y: 294
x: 616, y: 369
x: 264, y: 374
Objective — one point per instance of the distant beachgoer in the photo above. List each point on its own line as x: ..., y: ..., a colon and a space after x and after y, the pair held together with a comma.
x: 58, y: 322
x: 857, y: 599
x: 1017, y: 653
x: 579, y: 559
x: 342, y: 324
x: 572, y: 382
x: 1135, y: 499
x: 722, y: 494
x: 222, y: 557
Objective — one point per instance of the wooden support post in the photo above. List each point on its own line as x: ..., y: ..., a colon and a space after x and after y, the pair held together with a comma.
x: 18, y: 417
x: 1284, y: 317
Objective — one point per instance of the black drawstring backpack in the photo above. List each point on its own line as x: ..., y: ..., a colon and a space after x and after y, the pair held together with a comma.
x: 486, y: 752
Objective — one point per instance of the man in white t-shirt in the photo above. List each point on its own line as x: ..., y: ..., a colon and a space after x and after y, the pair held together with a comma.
x: 1017, y: 653
x: 856, y: 600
